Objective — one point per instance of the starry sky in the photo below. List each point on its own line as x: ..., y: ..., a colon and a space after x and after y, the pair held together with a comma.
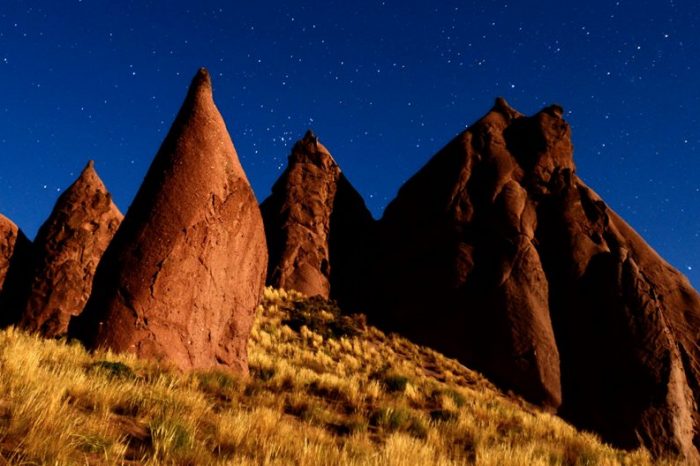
x: 383, y: 83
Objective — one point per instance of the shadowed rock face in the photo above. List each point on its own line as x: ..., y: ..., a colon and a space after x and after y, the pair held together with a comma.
x: 68, y: 248
x: 316, y: 225
x: 497, y: 254
x: 184, y: 273
x: 15, y: 271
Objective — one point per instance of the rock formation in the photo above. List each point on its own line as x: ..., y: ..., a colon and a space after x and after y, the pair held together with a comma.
x: 68, y: 248
x: 15, y: 270
x: 316, y: 225
x: 184, y: 273
x: 498, y: 254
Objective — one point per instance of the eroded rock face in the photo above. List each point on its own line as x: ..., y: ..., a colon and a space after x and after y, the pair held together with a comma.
x: 15, y: 271
x: 628, y: 328
x: 184, y: 273
x: 68, y: 248
x: 497, y: 254
x: 316, y: 224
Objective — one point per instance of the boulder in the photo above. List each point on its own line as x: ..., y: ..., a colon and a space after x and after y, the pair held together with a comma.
x: 182, y: 278
x: 68, y: 248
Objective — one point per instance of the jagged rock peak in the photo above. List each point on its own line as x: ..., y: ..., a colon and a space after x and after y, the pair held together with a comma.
x: 310, y: 149
x: 502, y: 106
x: 68, y: 247
x: 521, y: 271
x: 310, y: 136
x: 182, y: 277
x: 89, y: 176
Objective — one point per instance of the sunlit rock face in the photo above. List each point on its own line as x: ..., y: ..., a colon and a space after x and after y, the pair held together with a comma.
x: 182, y: 278
x: 67, y: 249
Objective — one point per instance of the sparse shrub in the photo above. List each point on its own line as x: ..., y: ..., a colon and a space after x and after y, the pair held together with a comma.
x: 389, y: 418
x: 443, y: 415
x: 331, y: 393
x: 112, y: 369
x: 579, y: 453
x: 418, y: 428
x: 395, y: 419
x: 307, y: 411
x: 353, y: 425
x: 253, y: 388
x: 263, y: 373
x: 129, y: 407
x: 392, y: 382
x: 456, y: 397
x: 323, y: 317
x: 92, y: 443
x: 219, y: 383
x: 169, y: 436
x: 395, y: 382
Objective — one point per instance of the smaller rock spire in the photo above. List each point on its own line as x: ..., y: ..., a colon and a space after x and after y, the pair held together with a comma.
x: 68, y: 247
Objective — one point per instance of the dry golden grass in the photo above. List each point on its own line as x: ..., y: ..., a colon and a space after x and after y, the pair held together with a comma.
x: 324, y: 390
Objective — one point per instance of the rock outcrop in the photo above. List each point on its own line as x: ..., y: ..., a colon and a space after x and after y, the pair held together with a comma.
x: 183, y: 275
x: 67, y: 249
x: 498, y: 254
x: 15, y: 271
x: 316, y: 225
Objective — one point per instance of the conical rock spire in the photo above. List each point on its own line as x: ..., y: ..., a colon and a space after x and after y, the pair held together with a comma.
x: 182, y: 277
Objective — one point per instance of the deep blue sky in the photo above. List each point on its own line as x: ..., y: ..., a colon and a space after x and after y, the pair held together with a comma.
x: 384, y: 84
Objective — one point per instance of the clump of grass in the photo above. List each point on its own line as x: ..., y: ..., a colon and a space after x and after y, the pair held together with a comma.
x: 172, y: 439
x: 262, y: 373
x: 457, y: 398
x: 393, y: 419
x: 112, y: 369
x: 395, y: 382
x: 443, y: 415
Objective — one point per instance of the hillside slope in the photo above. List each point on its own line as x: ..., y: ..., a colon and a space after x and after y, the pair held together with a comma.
x: 324, y: 389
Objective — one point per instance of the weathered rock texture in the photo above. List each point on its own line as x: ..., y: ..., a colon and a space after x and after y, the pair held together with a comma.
x: 15, y: 271
x: 498, y: 254
x: 67, y: 249
x: 316, y: 226
x: 184, y: 273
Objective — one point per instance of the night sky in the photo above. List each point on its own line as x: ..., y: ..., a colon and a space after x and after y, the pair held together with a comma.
x: 384, y: 84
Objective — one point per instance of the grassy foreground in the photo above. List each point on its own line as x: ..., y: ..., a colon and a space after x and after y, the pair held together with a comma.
x: 323, y: 390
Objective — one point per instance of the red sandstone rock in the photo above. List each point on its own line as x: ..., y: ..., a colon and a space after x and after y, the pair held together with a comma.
x: 315, y: 224
x: 497, y: 254
x: 68, y: 248
x: 184, y: 273
x: 15, y: 269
